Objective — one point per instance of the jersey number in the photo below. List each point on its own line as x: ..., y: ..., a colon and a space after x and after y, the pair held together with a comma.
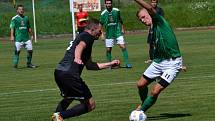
x: 70, y: 45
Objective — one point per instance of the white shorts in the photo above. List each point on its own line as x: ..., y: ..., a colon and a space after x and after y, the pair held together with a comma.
x: 167, y: 69
x: 111, y: 42
x: 27, y: 45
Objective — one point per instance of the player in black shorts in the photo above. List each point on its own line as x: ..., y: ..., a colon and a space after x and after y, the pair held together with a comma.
x: 68, y: 71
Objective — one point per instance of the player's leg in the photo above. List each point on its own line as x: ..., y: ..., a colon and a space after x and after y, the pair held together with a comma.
x: 63, y: 104
x: 109, y: 43
x: 108, y: 54
x: 170, y: 69
x: 18, y: 46
x: 151, y: 73
x: 73, y: 88
x: 142, y: 86
x: 121, y: 43
x: 85, y: 106
x: 29, y: 47
x: 152, y: 98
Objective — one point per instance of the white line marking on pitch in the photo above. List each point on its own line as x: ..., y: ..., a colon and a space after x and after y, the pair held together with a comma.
x: 111, y: 84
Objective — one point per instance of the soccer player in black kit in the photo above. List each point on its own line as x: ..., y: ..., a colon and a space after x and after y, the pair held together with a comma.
x: 68, y: 71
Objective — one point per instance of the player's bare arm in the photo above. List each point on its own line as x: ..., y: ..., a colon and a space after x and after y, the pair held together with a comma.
x: 108, y: 64
x: 31, y: 33
x: 12, y: 35
x: 78, y: 51
x: 123, y: 27
x: 147, y: 6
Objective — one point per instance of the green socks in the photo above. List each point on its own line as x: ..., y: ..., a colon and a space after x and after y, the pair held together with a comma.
x: 149, y: 101
x: 16, y: 58
x: 125, y: 55
x: 109, y: 56
x: 29, y: 57
x: 124, y: 52
x: 143, y: 93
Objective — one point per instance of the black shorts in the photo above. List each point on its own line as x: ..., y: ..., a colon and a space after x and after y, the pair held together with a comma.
x: 71, y: 87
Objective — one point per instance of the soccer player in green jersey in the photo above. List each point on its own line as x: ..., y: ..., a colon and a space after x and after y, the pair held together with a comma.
x: 167, y: 61
x: 150, y: 37
x: 112, y: 24
x: 20, y: 34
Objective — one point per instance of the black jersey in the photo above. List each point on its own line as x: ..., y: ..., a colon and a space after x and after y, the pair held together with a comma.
x: 67, y: 64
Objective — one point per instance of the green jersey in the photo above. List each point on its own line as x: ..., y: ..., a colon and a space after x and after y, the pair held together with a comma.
x: 21, y: 27
x: 111, y: 22
x: 166, y: 45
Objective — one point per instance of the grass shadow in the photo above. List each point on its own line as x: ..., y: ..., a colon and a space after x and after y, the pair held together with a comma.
x: 169, y: 115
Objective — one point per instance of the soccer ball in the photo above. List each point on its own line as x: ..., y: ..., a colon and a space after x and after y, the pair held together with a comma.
x: 137, y: 115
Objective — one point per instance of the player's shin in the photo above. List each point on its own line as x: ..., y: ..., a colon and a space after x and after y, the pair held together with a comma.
x: 149, y: 101
x: 125, y: 55
x: 143, y: 93
x: 16, y: 58
x: 109, y: 56
x: 75, y: 111
x: 29, y: 57
x: 63, y: 105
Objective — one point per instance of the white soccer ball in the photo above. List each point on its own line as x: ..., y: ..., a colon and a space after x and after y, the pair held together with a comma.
x: 137, y: 115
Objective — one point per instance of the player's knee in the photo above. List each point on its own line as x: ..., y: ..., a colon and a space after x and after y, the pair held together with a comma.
x: 156, y: 90
x: 143, y: 82
x: 108, y: 50
x: 140, y: 84
x: 91, y: 105
x: 30, y: 51
x: 122, y: 46
x: 16, y: 52
x: 154, y: 93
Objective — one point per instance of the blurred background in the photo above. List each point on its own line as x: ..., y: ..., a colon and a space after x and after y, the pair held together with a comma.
x: 53, y: 16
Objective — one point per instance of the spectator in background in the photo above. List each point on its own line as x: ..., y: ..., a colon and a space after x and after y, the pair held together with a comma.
x: 150, y: 39
x: 81, y: 18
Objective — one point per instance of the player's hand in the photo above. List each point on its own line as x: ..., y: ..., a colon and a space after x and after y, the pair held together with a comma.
x: 184, y: 68
x: 12, y: 38
x: 78, y: 61
x: 102, y: 37
x: 115, y: 63
x: 123, y: 31
x: 32, y: 38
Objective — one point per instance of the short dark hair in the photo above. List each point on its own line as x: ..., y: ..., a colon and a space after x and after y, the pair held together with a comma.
x: 137, y: 13
x: 92, y: 22
x: 109, y: 0
x: 156, y: 1
x: 19, y: 6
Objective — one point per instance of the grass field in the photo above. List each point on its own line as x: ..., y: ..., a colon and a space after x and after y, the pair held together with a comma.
x: 32, y: 95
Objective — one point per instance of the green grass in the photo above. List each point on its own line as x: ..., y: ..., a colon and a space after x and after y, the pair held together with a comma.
x: 32, y: 95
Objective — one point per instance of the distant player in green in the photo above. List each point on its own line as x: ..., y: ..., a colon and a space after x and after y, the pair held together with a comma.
x: 114, y: 29
x: 167, y: 61
x: 20, y: 30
